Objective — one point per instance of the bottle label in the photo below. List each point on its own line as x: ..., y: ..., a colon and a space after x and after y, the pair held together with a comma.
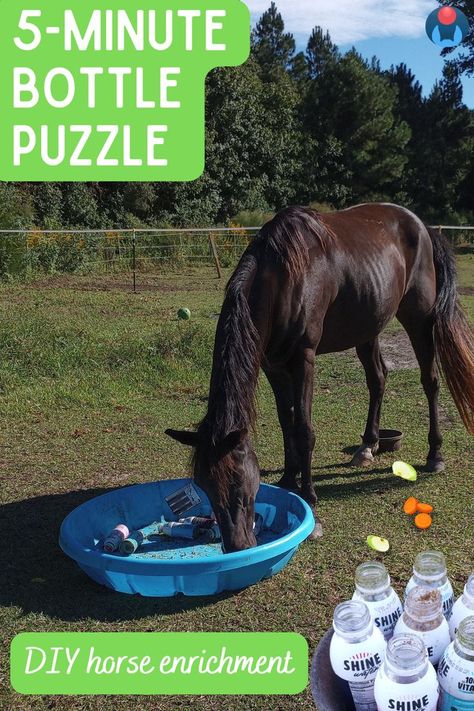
x: 385, y: 613
x: 358, y: 664
x: 363, y: 695
x: 456, y: 679
x: 420, y: 695
x: 459, y: 613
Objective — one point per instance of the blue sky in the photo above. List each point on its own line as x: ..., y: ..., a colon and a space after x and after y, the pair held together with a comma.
x: 394, y: 30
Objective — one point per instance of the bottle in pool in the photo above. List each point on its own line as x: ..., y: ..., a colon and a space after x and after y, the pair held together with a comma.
x: 373, y: 587
x: 429, y: 571
x: 456, y: 671
x: 463, y: 607
x: 406, y: 680
x: 357, y: 651
x: 423, y: 616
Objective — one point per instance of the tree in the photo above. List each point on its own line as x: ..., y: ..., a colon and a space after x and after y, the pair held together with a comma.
x: 272, y: 47
x: 465, y: 61
x: 355, y: 106
x: 320, y: 52
x: 445, y: 151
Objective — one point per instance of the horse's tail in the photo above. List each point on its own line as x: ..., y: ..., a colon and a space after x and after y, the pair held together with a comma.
x: 454, y: 339
x: 287, y: 235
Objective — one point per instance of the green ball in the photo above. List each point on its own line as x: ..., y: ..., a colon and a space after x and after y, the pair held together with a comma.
x: 184, y: 314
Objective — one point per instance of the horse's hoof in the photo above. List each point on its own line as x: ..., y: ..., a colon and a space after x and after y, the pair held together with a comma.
x: 363, y: 457
x: 435, y: 466
x: 317, y: 531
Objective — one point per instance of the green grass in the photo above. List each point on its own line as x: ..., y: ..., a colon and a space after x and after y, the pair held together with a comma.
x: 91, y: 375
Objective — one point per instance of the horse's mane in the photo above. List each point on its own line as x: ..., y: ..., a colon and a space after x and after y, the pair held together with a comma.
x: 236, y: 364
x: 287, y: 236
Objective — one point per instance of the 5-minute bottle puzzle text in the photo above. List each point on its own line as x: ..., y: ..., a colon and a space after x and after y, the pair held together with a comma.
x: 110, y: 93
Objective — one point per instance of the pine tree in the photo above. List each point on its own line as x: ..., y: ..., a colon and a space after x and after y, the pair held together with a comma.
x: 272, y: 47
x: 320, y: 51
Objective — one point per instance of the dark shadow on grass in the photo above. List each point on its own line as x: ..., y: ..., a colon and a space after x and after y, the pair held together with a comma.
x: 38, y: 577
x: 373, y: 483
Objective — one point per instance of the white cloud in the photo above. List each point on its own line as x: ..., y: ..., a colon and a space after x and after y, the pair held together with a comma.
x: 352, y: 20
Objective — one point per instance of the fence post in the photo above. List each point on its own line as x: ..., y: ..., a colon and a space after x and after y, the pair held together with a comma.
x: 216, y: 256
x: 134, y: 260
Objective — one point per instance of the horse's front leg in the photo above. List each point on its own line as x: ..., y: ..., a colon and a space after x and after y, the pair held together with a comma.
x: 376, y: 375
x: 303, y: 382
x: 282, y: 386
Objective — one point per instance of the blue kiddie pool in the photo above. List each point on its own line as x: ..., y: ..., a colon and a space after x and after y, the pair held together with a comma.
x: 162, y: 566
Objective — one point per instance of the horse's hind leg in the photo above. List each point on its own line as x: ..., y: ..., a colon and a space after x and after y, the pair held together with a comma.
x: 420, y: 332
x: 282, y: 386
x: 376, y: 375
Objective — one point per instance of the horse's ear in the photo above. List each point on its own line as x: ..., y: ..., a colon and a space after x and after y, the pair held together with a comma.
x: 230, y: 442
x: 186, y: 437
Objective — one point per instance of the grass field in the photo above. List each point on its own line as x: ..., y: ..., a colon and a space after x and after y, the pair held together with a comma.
x: 91, y: 375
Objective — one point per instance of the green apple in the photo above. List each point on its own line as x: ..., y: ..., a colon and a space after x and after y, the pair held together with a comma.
x: 405, y: 471
x: 378, y: 544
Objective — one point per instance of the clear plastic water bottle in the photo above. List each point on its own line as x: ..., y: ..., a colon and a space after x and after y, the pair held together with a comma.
x: 456, y: 671
x: 463, y: 607
x: 357, y: 651
x: 423, y: 616
x: 407, y: 680
x: 429, y: 571
x: 373, y: 587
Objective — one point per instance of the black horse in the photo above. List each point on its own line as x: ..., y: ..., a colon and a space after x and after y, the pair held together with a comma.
x: 310, y: 284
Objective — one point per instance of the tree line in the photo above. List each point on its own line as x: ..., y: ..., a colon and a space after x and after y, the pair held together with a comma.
x: 318, y: 127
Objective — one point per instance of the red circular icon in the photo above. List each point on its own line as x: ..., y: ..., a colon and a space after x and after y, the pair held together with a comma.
x: 447, y: 15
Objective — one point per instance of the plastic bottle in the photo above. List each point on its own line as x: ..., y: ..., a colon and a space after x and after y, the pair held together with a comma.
x: 456, y: 671
x: 373, y: 587
x: 429, y: 571
x: 423, y: 616
x: 179, y: 529
x: 463, y: 607
x: 357, y: 651
x: 135, y: 539
x: 114, y: 539
x: 407, y: 680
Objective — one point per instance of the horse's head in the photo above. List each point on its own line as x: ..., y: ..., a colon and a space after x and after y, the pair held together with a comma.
x: 229, y: 474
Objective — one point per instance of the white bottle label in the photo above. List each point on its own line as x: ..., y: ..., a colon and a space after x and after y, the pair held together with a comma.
x: 459, y: 613
x: 421, y: 695
x: 456, y: 680
x: 435, y: 640
x: 385, y: 613
x: 358, y: 664
x: 446, y: 592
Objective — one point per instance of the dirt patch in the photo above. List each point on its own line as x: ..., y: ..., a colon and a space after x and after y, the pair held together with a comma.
x: 182, y: 283
x: 397, y: 351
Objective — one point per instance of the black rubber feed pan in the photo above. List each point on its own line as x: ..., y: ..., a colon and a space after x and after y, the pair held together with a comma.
x: 329, y: 692
x: 389, y: 441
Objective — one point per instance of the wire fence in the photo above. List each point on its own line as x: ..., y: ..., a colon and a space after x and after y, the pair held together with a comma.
x: 136, y: 253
